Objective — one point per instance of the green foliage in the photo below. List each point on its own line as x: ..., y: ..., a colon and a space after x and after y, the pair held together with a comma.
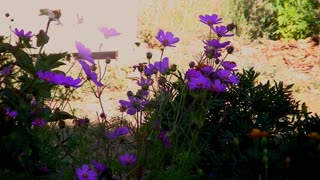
x: 296, y: 19
x: 275, y: 19
x: 253, y: 18
x: 22, y: 91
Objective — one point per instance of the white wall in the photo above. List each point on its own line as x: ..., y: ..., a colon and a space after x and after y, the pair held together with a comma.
x: 118, y: 14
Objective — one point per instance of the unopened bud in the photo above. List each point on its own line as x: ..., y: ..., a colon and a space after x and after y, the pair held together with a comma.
x: 173, y: 67
x: 93, y: 67
x: 230, y: 49
x: 210, y: 54
x: 192, y: 64
x: 129, y: 93
x: 103, y: 115
x: 108, y: 60
x: 149, y: 55
x: 61, y: 124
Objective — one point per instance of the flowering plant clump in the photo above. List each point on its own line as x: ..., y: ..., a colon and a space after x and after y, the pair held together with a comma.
x: 213, y: 121
x: 210, y: 122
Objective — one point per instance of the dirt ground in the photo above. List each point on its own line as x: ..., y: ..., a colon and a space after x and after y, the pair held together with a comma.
x: 296, y: 62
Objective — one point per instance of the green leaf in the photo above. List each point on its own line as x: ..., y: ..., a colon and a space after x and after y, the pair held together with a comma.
x: 42, y: 38
x: 23, y: 60
x: 60, y: 115
x: 49, y: 62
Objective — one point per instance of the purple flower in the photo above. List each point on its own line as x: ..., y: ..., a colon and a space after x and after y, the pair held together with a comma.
x: 163, y: 65
x: 207, y: 70
x: 217, y: 86
x: 216, y: 44
x: 21, y: 33
x: 109, y: 32
x: 85, y: 173
x: 127, y: 159
x: 59, y: 79
x: 47, y: 76
x: 119, y: 132
x: 5, y: 71
x: 133, y: 105
x: 145, y: 83
x: 84, y: 53
x: 68, y: 81
x: 200, y: 82
x: 90, y: 74
x: 210, y: 20
x: 99, y: 167
x: 167, y: 39
x: 151, y: 69
x: 225, y: 75
x: 38, y: 122
x: 163, y: 136
x: 11, y: 113
x: 229, y: 65
x: 192, y: 73
x: 221, y: 31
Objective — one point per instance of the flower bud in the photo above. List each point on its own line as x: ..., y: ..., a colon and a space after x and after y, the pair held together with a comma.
x: 173, y: 67
x: 192, y: 64
x: 210, y: 54
x: 108, y: 60
x: 230, y: 49
x: 93, y: 67
x: 61, y: 124
x: 149, y: 55
x: 129, y: 93
x: 102, y: 115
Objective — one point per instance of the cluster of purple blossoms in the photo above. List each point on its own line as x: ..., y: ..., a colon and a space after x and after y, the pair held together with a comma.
x: 208, y: 78
x: 21, y: 34
x: 59, y: 79
x: 127, y: 159
x: 217, y: 73
x: 121, y: 131
x: 84, y: 57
